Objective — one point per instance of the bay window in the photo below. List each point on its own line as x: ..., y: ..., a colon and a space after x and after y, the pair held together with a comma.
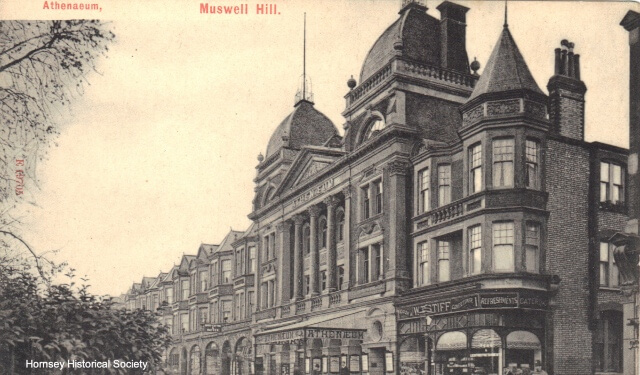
x: 475, y: 168
x: 475, y: 249
x: 423, y: 263
x: 423, y: 188
x: 444, y: 184
x: 532, y: 247
x: 503, y: 252
x: 444, y: 249
x: 532, y: 168
x: 503, y: 162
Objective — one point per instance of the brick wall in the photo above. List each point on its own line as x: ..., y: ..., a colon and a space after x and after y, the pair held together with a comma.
x: 569, y: 340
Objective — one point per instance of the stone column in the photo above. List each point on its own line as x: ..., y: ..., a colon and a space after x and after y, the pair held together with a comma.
x: 314, y: 211
x: 284, y: 264
x: 332, y: 256
x: 396, y: 237
x: 346, y: 239
x: 297, y: 257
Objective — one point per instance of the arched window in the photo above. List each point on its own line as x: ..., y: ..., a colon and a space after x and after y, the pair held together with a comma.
x: 323, y: 233
x: 306, y: 239
x: 374, y: 127
x: 340, y: 221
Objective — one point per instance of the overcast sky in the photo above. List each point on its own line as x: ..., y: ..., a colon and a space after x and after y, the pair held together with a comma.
x: 159, y: 155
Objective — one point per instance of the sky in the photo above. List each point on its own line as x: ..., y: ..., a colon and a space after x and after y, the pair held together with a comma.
x: 159, y: 154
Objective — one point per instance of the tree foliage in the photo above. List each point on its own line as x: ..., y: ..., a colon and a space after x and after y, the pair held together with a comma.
x: 43, y: 65
x: 41, y: 321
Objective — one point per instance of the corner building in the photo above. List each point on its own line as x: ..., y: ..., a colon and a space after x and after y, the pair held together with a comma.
x: 460, y: 224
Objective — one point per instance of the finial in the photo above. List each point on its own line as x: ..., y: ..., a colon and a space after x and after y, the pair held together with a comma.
x: 506, y: 23
x: 475, y: 65
x: 351, y: 82
x: 304, y: 92
x: 260, y: 157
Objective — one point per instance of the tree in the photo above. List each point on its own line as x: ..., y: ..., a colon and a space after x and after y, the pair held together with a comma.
x: 59, y: 322
x: 43, y: 65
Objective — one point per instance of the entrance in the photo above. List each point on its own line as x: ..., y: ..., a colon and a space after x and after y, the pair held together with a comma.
x: 225, y: 360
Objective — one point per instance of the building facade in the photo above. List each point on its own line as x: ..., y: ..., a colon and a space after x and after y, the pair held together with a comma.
x: 460, y: 224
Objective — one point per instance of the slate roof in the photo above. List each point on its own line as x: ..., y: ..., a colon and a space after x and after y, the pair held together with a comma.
x: 506, y: 70
x: 304, y: 126
x: 418, y: 33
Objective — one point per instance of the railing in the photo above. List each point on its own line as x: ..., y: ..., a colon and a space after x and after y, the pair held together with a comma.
x: 316, y: 303
x: 446, y: 213
x: 266, y: 314
x: 335, y: 298
x: 301, y: 306
x: 439, y: 73
x: 369, y: 84
x: 285, y: 310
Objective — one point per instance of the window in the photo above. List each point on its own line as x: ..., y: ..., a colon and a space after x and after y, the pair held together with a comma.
x: 609, y: 275
x: 203, y: 316
x: 214, y: 312
x: 503, y: 257
x: 184, y: 322
x: 475, y: 250
x: 252, y: 259
x: 272, y: 293
x: 444, y: 248
x: 226, y: 311
x: 239, y: 304
x: 376, y: 267
x: 531, y: 247
x: 307, y: 284
x: 475, y: 168
x: 611, y: 183
x: 226, y: 271
x: 265, y: 248
x: 375, y: 126
x: 251, y: 301
x: 532, y: 170
x: 608, y: 342
x: 306, y: 239
x: 323, y: 280
x: 377, y: 188
x: 444, y: 185
x: 366, y: 213
x: 272, y: 245
x: 214, y: 273
x: 340, y: 277
x: 240, y: 262
x: 185, y: 290
x: 503, y: 162
x: 423, y: 188
x: 364, y: 273
x: 323, y: 233
x: 423, y: 265
x: 169, y: 295
x: 340, y: 220
x: 202, y: 275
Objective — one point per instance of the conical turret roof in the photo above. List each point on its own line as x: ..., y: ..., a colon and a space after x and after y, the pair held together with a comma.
x: 506, y: 70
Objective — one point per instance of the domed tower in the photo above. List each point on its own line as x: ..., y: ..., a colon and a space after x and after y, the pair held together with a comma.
x: 414, y: 78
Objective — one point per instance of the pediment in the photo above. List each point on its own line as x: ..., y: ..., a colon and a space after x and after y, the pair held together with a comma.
x: 309, y: 163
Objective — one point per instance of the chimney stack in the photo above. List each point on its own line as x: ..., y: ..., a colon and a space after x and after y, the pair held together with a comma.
x: 566, y: 93
x: 453, y: 44
x: 631, y: 22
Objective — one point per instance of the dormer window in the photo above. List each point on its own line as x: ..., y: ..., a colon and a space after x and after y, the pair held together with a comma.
x: 375, y: 126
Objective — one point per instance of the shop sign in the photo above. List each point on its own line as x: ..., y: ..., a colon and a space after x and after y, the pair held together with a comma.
x: 322, y: 333
x: 475, y: 301
x: 286, y: 337
x: 213, y: 327
x: 297, y: 336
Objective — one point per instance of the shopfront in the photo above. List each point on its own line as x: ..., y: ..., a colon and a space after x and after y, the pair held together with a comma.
x: 314, y: 351
x: 479, y: 333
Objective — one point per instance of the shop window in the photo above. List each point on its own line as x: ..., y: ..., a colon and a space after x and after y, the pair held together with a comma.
x: 609, y: 275
x: 475, y: 168
x: 532, y: 247
x: 503, y: 254
x: 444, y: 271
x: 611, y: 178
x: 423, y: 265
x: 475, y: 250
x: 608, y: 342
x: 523, y: 349
x: 450, y: 346
x: 486, y: 346
x: 532, y: 170
x: 423, y: 188
x: 444, y: 185
x: 503, y: 162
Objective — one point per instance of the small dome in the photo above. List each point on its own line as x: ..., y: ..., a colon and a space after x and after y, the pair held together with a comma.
x: 305, y: 126
x: 414, y: 35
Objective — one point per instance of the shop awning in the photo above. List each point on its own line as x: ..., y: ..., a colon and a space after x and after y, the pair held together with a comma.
x: 486, y: 338
x: 523, y: 340
x: 455, y: 340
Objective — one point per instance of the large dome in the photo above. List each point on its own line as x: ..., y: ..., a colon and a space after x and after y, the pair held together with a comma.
x: 305, y: 126
x: 415, y: 35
